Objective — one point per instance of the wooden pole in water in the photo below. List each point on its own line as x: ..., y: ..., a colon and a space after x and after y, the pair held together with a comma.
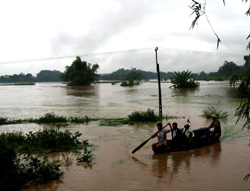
x: 159, y: 83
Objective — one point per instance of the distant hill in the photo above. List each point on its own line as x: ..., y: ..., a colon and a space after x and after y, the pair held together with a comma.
x: 122, y: 74
x: 224, y: 73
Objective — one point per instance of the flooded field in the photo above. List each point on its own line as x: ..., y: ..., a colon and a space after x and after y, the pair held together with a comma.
x: 221, y: 166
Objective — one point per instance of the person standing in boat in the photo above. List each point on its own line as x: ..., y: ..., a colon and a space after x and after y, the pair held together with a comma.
x: 176, y: 135
x: 216, y: 133
x: 161, y: 135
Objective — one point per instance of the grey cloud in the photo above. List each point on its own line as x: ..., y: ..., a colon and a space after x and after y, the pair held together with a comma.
x: 169, y: 61
x: 111, y: 24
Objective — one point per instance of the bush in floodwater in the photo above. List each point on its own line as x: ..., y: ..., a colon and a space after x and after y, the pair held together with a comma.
x: 19, y: 171
x: 79, y: 120
x: 43, y: 140
x: 113, y: 122
x: 3, y: 119
x: 212, y: 110
x: 13, y: 139
x: 52, y: 118
x: 55, y: 139
x: 87, y: 156
x: 142, y: 116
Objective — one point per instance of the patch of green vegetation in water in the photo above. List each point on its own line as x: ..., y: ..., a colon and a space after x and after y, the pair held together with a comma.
x: 113, y: 122
x: 20, y: 169
x: 47, y: 139
x: 111, y: 104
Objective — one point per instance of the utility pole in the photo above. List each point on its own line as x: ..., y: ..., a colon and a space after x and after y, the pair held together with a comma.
x: 159, y: 83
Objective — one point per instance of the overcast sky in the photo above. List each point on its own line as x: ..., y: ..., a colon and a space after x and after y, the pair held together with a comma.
x: 48, y: 34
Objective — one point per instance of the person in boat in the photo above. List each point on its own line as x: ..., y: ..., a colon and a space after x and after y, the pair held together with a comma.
x: 161, y: 135
x: 216, y: 133
x: 177, y: 137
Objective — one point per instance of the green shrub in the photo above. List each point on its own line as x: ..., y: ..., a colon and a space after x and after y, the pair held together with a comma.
x: 87, y: 156
x: 52, y: 118
x: 141, y: 116
x: 3, y: 119
x: 12, y: 139
x: 79, y: 120
x: 19, y: 171
x: 212, y: 110
x: 43, y: 140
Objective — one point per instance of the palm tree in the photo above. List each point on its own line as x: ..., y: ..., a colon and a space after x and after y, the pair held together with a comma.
x: 183, y: 80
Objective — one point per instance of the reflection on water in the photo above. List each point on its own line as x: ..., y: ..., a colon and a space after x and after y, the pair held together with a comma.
x: 51, y: 186
x: 168, y: 164
x: 82, y: 91
x: 184, y: 92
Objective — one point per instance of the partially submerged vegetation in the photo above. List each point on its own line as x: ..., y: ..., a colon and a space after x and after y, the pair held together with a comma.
x: 5, y: 120
x: 22, y: 170
x: 183, y: 80
x: 51, y: 118
x: 20, y: 167
x: 80, y: 73
x: 212, y: 110
x: 48, y: 118
x: 113, y: 122
x: 143, y: 116
x: 87, y: 156
x: 48, y: 140
x: 134, y: 117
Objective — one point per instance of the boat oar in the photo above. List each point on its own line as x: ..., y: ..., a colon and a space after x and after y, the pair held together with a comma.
x: 144, y: 143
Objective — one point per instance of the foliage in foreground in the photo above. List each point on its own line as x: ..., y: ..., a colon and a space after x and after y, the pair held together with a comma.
x: 212, y: 110
x: 243, y: 110
x: 183, y: 80
x: 21, y: 170
x: 47, y: 139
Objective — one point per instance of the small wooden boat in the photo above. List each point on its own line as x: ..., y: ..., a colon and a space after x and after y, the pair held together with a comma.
x: 198, y: 138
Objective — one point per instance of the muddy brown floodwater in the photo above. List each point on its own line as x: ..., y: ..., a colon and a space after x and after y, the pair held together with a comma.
x: 221, y: 166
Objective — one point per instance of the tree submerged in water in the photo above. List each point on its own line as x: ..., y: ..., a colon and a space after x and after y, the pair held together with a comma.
x: 80, y: 73
x: 183, y: 80
x: 133, y: 78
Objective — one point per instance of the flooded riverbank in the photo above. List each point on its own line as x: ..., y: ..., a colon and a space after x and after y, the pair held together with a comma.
x: 220, y: 166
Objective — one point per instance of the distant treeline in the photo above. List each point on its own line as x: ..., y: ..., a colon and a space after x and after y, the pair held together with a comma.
x: 224, y: 73
x: 42, y: 76
x: 122, y: 74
